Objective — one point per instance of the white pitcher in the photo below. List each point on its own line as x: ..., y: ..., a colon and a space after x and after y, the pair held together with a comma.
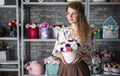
x: 2, y: 2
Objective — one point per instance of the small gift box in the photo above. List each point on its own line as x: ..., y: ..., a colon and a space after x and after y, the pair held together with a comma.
x: 52, y: 69
x: 44, y: 30
x: 32, y: 30
x: 96, y: 31
x: 110, y: 28
x: 52, y: 65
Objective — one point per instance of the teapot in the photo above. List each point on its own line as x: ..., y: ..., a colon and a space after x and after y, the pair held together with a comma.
x: 34, y: 68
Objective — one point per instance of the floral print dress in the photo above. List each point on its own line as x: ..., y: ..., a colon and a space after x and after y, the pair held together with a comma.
x: 66, y: 45
x: 70, y: 49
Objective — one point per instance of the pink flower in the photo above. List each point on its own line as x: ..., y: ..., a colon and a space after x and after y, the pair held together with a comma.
x: 44, y: 24
x: 68, y: 49
x: 51, y: 60
x: 68, y: 46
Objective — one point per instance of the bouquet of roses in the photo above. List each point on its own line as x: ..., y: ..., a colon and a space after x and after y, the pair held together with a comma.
x: 68, y: 46
x: 12, y: 23
x: 95, y: 28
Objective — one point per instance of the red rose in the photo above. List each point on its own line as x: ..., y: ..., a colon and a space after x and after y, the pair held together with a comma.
x: 68, y: 49
x: 12, y: 23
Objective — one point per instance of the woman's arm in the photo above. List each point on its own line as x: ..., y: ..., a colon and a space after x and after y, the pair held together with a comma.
x: 87, y: 50
x: 85, y: 57
x: 60, y: 38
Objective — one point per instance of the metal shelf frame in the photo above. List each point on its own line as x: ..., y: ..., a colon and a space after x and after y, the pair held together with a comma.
x: 16, y: 62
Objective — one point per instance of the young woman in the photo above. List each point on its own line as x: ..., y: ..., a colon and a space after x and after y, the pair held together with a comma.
x: 72, y: 41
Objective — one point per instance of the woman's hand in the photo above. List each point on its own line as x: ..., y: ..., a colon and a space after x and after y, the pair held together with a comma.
x: 59, y: 55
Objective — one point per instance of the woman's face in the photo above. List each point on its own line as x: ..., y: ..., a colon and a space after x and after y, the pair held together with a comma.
x: 72, y: 16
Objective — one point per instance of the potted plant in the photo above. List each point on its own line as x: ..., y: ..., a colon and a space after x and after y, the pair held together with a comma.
x: 96, y: 31
x: 52, y: 65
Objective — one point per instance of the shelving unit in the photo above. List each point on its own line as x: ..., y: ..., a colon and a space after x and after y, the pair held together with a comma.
x: 25, y: 41
x: 98, y: 19
x: 25, y: 18
x: 104, y: 14
x: 12, y: 64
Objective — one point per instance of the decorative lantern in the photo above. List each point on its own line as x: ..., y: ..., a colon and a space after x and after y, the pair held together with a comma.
x: 32, y: 30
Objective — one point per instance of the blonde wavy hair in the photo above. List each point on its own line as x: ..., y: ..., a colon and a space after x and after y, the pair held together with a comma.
x: 83, y: 27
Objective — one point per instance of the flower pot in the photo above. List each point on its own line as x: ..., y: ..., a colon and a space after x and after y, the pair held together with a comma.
x: 33, y: 33
x: 44, y: 33
x: 13, y: 31
x: 55, y: 32
x: 106, y: 59
x: 51, y: 69
x: 97, y: 35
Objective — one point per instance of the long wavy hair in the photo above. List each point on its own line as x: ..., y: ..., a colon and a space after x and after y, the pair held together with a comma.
x: 83, y: 27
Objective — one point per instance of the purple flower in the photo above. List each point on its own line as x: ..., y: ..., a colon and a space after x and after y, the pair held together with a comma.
x: 67, y: 45
x: 44, y: 25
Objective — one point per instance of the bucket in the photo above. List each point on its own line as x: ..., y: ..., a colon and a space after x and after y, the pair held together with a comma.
x: 33, y: 33
x: 44, y: 33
